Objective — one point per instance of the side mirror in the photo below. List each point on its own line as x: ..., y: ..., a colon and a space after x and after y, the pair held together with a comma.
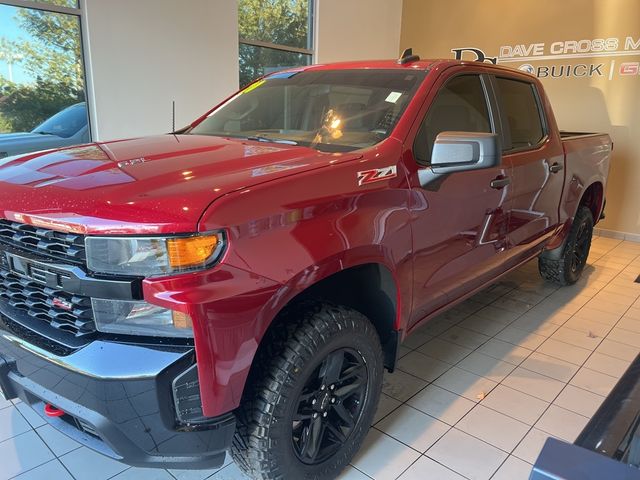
x: 462, y: 151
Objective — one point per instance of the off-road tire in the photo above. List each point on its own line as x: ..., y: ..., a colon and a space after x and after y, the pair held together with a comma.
x: 565, y: 266
x: 303, y: 337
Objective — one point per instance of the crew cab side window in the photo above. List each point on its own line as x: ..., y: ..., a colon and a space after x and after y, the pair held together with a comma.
x: 522, y: 110
x: 460, y: 106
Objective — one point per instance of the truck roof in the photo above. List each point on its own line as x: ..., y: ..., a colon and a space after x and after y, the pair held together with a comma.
x: 422, y: 64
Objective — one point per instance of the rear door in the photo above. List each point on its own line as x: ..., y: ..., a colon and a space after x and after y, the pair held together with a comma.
x: 459, y: 221
x: 536, y: 165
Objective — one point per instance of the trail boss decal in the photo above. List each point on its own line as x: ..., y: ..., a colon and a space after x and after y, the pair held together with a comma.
x: 377, y: 174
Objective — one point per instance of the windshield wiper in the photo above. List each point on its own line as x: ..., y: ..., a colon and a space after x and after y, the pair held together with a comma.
x: 257, y: 138
x: 45, y: 133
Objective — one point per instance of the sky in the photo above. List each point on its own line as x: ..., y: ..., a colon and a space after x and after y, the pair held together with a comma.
x: 10, y: 30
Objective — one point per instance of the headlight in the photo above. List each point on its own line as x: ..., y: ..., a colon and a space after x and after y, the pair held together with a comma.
x: 140, y: 318
x: 149, y: 256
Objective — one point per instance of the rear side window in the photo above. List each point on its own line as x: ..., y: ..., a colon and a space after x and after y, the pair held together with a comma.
x: 460, y: 106
x: 520, y: 105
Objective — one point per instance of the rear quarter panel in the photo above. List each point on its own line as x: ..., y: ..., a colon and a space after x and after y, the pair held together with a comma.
x: 587, y: 162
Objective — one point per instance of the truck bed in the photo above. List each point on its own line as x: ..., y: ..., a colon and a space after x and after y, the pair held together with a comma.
x: 565, y: 135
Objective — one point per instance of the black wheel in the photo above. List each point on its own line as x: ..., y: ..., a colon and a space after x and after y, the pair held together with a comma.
x: 311, y: 395
x: 564, y: 266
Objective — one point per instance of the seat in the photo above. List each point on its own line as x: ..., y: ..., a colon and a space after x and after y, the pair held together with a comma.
x: 314, y: 113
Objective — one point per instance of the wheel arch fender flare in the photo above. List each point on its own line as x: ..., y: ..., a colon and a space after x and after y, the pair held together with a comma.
x: 593, y: 197
x: 367, y: 269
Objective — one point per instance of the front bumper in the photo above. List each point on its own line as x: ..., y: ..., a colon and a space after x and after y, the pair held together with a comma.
x: 118, y: 399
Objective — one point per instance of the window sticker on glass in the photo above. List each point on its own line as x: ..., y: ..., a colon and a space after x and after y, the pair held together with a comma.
x: 393, y: 97
x: 253, y: 87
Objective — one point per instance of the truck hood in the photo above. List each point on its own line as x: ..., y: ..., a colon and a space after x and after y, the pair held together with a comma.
x: 158, y: 184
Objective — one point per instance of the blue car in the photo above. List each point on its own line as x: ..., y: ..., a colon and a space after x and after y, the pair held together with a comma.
x: 67, y: 127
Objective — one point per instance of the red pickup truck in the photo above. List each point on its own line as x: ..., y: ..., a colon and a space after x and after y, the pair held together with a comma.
x: 243, y: 283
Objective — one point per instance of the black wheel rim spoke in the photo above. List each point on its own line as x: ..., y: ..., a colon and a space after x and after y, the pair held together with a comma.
x: 306, y: 396
x: 305, y: 414
x: 357, y: 371
x: 337, y: 433
x: 313, y: 445
x: 347, y: 390
x: 329, y: 406
x: 332, y: 367
x: 344, y: 415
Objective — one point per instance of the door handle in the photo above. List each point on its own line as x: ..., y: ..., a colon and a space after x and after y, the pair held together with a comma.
x: 556, y: 167
x: 500, y: 182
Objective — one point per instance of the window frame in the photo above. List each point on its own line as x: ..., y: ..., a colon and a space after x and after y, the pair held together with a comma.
x: 45, y: 6
x: 311, y: 38
x: 84, y: 46
x: 490, y: 101
x: 505, y: 129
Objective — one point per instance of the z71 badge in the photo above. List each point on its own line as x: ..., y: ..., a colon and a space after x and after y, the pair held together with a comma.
x: 377, y: 174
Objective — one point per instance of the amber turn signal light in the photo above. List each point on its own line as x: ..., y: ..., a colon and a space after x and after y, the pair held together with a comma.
x: 181, y: 320
x: 191, y: 251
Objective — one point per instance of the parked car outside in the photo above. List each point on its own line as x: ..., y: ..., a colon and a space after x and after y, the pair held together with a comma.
x: 67, y: 127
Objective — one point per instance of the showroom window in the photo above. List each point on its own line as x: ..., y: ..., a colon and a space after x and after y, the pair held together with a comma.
x: 42, y: 78
x: 274, y: 35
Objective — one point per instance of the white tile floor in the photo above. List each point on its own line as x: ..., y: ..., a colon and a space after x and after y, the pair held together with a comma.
x: 475, y: 396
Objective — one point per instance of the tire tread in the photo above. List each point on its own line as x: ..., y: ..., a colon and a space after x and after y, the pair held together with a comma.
x: 557, y: 270
x: 299, y: 332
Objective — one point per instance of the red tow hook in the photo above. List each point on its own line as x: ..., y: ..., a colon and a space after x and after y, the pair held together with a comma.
x: 51, y: 411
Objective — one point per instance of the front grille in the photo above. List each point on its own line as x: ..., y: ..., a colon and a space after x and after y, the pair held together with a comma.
x: 10, y: 326
x: 28, y: 293
x: 63, y: 247
x: 61, y: 310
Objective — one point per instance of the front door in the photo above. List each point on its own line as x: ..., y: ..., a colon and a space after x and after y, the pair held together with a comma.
x: 459, y: 220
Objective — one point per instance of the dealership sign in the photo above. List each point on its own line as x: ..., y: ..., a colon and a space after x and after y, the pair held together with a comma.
x: 613, y: 51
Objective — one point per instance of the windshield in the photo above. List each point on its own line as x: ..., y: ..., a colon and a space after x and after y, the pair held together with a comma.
x: 66, y: 123
x: 334, y: 110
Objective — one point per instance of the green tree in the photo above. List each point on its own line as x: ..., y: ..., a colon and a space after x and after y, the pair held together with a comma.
x: 26, y: 106
x: 10, y: 53
x: 5, y: 88
x: 57, y: 55
x: 5, y: 126
x: 54, y: 60
x: 283, y: 22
